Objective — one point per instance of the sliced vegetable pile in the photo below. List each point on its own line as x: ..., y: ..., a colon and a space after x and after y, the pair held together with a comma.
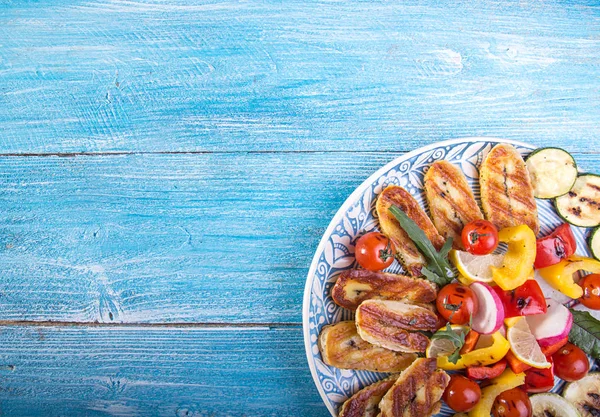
x: 503, y: 339
x: 502, y: 330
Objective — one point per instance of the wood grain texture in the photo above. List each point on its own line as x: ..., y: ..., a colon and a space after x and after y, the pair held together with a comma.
x: 93, y: 372
x: 169, y: 238
x: 120, y: 75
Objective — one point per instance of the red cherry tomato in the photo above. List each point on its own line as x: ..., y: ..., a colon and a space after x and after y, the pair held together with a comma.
x: 461, y: 394
x: 374, y: 251
x: 480, y: 237
x: 524, y: 300
x: 512, y: 403
x: 456, y: 303
x: 591, y: 291
x: 555, y: 247
x: 570, y: 363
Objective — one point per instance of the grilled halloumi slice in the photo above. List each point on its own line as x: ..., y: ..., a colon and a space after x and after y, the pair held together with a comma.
x: 506, y: 191
x: 365, y: 403
x: 357, y: 285
x: 451, y: 201
x: 416, y: 392
x: 342, y: 347
x: 395, y: 325
x: 406, y: 252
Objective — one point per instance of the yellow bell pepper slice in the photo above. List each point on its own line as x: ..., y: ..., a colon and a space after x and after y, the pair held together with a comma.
x: 478, y: 357
x: 517, y: 265
x: 560, y: 276
x: 508, y: 380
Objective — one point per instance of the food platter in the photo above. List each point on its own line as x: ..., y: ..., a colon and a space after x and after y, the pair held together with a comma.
x: 357, y: 215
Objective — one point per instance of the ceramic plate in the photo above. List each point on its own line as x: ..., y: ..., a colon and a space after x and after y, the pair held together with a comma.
x: 356, y: 216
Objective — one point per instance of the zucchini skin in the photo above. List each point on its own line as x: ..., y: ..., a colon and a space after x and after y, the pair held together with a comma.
x: 595, y: 234
x: 538, y: 150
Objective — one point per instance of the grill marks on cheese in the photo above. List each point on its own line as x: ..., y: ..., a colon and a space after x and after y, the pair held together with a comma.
x: 506, y: 192
x: 357, y: 285
x: 395, y: 325
x: 416, y: 392
x: 407, y: 253
x: 365, y: 403
x: 451, y: 201
x: 342, y: 347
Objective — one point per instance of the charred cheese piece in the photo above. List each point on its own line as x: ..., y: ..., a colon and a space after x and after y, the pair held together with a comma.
x: 406, y: 252
x: 357, y: 285
x: 506, y: 191
x: 395, y: 325
x: 342, y: 347
x: 416, y: 392
x: 451, y: 201
x: 365, y: 403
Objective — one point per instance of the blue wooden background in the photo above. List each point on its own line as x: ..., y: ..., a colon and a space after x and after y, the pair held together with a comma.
x: 168, y: 168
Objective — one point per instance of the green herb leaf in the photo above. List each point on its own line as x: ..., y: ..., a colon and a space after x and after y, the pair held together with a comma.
x: 457, y: 339
x: 452, y: 307
x: 446, y: 248
x: 585, y: 333
x: 454, y: 356
x: 438, y: 269
x: 433, y: 277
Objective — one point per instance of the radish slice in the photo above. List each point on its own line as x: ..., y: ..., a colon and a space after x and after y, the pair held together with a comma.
x: 553, y: 326
x: 489, y: 316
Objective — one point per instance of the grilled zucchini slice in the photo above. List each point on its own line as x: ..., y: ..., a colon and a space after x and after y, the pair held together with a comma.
x: 585, y: 394
x: 581, y: 205
x: 552, y: 171
x: 552, y: 405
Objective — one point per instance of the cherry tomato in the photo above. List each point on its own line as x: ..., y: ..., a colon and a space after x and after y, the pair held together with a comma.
x: 591, y: 291
x: 374, y: 251
x: 555, y: 247
x: 461, y: 394
x: 480, y: 237
x: 456, y: 303
x: 512, y: 403
x: 570, y: 363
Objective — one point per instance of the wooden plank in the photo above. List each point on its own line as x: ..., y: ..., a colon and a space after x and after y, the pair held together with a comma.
x: 87, y: 371
x: 158, y: 75
x: 169, y: 238
x: 166, y: 238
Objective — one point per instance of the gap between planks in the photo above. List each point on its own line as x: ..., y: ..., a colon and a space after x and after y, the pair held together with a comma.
x: 121, y: 153
x: 253, y: 326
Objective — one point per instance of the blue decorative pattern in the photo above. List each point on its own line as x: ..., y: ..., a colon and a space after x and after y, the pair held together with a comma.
x: 357, y: 215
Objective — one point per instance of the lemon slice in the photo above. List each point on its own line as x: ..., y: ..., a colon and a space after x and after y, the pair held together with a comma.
x: 444, y: 347
x: 524, y: 346
x: 475, y: 268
